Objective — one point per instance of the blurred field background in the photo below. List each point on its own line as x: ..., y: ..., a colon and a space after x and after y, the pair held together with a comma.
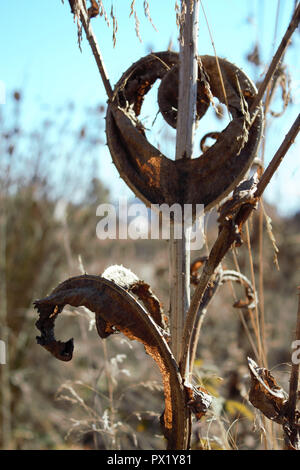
x: 110, y: 395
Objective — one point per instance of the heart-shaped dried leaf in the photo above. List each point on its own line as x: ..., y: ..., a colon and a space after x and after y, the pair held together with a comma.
x: 206, y: 180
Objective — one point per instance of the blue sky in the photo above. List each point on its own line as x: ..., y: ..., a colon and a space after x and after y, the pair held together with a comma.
x: 39, y: 54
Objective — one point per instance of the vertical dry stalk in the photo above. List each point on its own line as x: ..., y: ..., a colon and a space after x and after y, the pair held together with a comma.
x: 180, y: 249
x: 110, y: 389
x: 186, y: 118
x: 217, y: 61
x: 257, y: 322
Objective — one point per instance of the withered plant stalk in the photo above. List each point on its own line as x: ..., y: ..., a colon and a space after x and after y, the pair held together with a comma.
x: 112, y: 294
x: 186, y: 119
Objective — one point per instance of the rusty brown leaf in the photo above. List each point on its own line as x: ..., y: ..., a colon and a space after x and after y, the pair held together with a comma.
x: 265, y: 394
x: 116, y: 309
x: 154, y: 178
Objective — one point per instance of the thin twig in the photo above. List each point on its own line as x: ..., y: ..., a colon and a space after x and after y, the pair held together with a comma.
x: 217, y: 61
x: 278, y: 157
x: 243, y: 321
x: 86, y: 23
x: 110, y: 388
x: 257, y: 322
x: 251, y: 316
x: 218, y: 251
x: 220, y: 278
x: 277, y: 57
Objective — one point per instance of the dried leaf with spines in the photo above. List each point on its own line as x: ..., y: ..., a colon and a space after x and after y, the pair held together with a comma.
x: 130, y: 282
x: 154, y: 178
x: 244, y: 194
x: 221, y: 276
x: 265, y: 394
x: 116, y: 309
x: 199, y: 400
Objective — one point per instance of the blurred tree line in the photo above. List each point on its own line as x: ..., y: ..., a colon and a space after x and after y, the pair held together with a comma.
x: 49, y: 193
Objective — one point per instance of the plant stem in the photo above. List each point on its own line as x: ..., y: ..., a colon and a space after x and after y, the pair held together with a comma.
x: 180, y: 293
x: 85, y: 21
x: 278, y: 157
x: 218, y: 251
x: 225, y: 240
x: 180, y: 248
x: 188, y: 75
x: 277, y: 57
x: 186, y: 118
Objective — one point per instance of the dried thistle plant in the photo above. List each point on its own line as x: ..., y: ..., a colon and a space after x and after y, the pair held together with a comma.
x: 154, y: 178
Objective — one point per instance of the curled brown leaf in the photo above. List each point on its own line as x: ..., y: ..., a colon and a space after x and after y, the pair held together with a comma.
x: 130, y: 282
x: 199, y: 400
x: 265, y: 394
x: 116, y: 308
x: 153, y: 177
x: 220, y: 277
